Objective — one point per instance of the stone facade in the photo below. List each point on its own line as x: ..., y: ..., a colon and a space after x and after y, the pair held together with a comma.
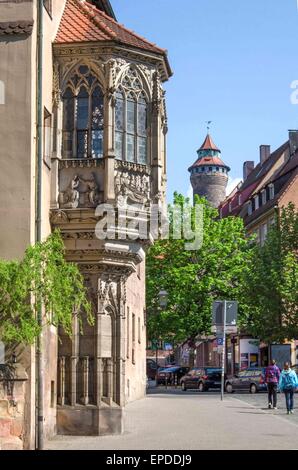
x: 12, y: 405
x: 89, y: 378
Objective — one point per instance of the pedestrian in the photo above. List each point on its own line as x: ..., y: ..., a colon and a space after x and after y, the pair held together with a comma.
x: 288, y: 382
x: 272, y: 375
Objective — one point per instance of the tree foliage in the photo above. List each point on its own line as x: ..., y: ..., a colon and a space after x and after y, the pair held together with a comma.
x: 270, y: 287
x: 193, y: 279
x: 43, y: 279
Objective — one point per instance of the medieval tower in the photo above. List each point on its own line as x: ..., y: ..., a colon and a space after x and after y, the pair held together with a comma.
x: 209, y: 174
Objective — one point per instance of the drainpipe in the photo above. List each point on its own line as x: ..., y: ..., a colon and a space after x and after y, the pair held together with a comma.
x: 39, y: 356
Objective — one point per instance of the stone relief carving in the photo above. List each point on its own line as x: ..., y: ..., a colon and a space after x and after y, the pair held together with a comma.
x: 58, y: 217
x: 71, y: 197
x: 132, y: 187
x: 78, y: 186
x: 56, y: 86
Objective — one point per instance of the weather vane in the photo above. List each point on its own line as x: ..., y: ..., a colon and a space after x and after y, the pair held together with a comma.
x: 209, y: 122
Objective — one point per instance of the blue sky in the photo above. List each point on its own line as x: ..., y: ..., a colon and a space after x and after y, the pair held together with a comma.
x: 233, y: 62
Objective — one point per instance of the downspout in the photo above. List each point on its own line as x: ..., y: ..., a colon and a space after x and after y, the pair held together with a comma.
x: 39, y: 357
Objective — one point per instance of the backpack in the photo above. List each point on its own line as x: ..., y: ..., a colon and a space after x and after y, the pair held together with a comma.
x: 287, y: 381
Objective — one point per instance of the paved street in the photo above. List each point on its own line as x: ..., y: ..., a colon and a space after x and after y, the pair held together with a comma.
x: 176, y: 420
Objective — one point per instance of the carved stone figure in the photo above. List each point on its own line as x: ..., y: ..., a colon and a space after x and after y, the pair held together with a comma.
x: 71, y: 197
x: 92, y: 190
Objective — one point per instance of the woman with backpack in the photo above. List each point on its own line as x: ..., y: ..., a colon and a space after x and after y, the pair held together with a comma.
x: 288, y: 382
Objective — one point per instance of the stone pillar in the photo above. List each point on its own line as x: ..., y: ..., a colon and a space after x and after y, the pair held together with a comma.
x: 85, y: 397
x: 61, y: 397
x: 109, y: 146
x: 74, y: 361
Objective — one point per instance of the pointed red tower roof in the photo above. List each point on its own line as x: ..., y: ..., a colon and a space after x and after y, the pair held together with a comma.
x: 208, y: 144
x: 206, y: 155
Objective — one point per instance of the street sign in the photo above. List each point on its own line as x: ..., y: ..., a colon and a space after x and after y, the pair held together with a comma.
x: 218, y: 312
x: 230, y: 330
x: 219, y: 341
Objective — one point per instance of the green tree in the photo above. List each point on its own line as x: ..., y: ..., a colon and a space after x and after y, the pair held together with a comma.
x: 193, y: 279
x: 270, y: 286
x: 43, y: 279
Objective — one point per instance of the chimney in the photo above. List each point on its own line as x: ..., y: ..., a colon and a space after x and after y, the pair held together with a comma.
x: 248, y: 167
x: 264, y: 153
x: 293, y: 138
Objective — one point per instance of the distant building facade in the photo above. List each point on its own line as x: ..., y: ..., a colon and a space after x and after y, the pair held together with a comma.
x: 266, y: 188
x: 209, y: 174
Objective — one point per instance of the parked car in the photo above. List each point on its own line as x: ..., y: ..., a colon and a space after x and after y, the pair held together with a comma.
x: 252, y: 379
x: 168, y: 374
x: 201, y: 378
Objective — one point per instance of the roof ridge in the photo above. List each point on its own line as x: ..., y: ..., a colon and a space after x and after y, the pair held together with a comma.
x: 87, y: 7
x: 88, y: 10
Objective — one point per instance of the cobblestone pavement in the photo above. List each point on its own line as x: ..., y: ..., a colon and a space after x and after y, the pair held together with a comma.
x: 171, y: 419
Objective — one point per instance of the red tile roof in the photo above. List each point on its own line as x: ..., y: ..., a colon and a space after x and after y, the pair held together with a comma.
x: 82, y: 22
x: 208, y: 161
x: 208, y: 144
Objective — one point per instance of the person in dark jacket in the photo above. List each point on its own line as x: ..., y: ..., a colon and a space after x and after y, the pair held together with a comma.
x: 272, y: 375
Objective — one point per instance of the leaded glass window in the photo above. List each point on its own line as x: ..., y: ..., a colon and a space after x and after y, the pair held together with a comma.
x: 131, y: 120
x: 83, y: 116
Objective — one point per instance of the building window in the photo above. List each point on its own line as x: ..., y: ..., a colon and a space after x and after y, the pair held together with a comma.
x: 48, y: 6
x: 133, y: 337
x: 263, y: 233
x: 264, y: 199
x: 239, y: 199
x: 47, y: 137
x: 249, y: 208
x: 2, y: 353
x: 127, y: 333
x: 210, y: 168
x: 2, y: 92
x: 271, y: 191
x: 217, y: 168
x: 83, y: 109
x: 256, y: 199
x: 230, y: 207
x: 139, y: 330
x: 131, y: 120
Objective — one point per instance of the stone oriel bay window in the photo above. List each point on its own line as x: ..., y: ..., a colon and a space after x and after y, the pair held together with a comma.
x: 83, y: 116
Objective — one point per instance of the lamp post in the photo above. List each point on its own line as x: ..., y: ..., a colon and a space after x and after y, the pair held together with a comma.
x: 163, y: 301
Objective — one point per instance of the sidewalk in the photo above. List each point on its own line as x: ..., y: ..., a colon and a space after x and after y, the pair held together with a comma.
x: 173, y: 420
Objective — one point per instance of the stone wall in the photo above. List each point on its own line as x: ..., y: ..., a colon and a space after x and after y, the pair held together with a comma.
x: 12, y: 402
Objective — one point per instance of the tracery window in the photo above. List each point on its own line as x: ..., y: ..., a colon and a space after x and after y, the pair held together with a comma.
x: 131, y: 119
x: 83, y: 114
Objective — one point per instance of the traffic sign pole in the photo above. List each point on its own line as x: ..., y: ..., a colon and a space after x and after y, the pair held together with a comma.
x: 223, y: 350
